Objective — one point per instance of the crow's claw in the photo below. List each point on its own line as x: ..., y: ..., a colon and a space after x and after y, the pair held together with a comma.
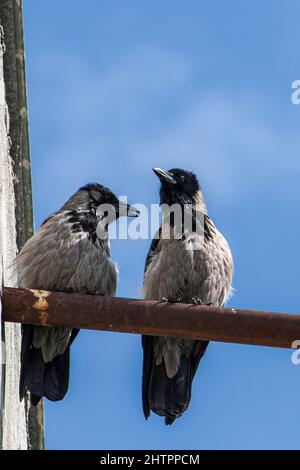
x: 172, y: 301
x: 197, y: 301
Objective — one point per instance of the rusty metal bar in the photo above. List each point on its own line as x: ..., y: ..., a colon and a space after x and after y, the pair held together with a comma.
x: 150, y: 317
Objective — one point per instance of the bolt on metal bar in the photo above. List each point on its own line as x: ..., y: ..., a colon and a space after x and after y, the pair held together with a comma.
x: 149, y: 317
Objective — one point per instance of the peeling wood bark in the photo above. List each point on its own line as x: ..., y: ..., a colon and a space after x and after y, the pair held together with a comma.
x: 16, y: 97
x: 13, y: 425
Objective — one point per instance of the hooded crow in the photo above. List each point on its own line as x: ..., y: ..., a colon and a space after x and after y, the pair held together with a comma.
x: 70, y: 253
x: 188, y: 262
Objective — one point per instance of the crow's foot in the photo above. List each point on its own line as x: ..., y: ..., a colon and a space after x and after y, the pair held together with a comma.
x: 176, y: 300
x: 197, y: 301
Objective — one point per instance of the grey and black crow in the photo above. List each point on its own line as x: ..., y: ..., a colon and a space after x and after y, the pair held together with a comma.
x: 195, y: 267
x: 70, y: 252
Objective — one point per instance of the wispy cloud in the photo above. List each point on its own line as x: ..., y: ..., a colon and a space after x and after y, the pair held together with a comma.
x: 230, y: 143
x: 135, y: 114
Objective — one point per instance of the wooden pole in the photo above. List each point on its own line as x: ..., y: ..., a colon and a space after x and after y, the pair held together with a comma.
x: 15, y: 93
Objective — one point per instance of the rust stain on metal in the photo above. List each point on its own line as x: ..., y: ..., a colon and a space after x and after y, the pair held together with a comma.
x: 41, y: 295
x: 43, y: 318
x: 150, y: 317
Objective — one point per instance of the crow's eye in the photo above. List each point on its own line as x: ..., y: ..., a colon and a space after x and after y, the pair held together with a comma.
x: 93, y: 210
x: 104, y: 215
x: 181, y: 179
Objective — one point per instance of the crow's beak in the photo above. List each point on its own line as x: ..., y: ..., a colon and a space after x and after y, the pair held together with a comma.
x: 132, y: 211
x: 126, y: 210
x: 164, y: 176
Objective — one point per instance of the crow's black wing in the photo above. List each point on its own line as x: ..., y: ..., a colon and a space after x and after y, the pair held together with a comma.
x: 147, y: 341
x: 198, y: 351
x: 27, y: 335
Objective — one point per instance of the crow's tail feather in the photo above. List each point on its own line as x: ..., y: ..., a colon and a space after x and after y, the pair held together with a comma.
x: 171, y: 397
x: 49, y: 379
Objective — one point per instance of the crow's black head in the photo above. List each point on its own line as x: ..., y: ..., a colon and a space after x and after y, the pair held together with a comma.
x: 177, y: 186
x: 93, y: 196
x: 93, y: 207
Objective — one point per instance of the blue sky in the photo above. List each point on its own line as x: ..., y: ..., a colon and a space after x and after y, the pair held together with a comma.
x: 117, y: 87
